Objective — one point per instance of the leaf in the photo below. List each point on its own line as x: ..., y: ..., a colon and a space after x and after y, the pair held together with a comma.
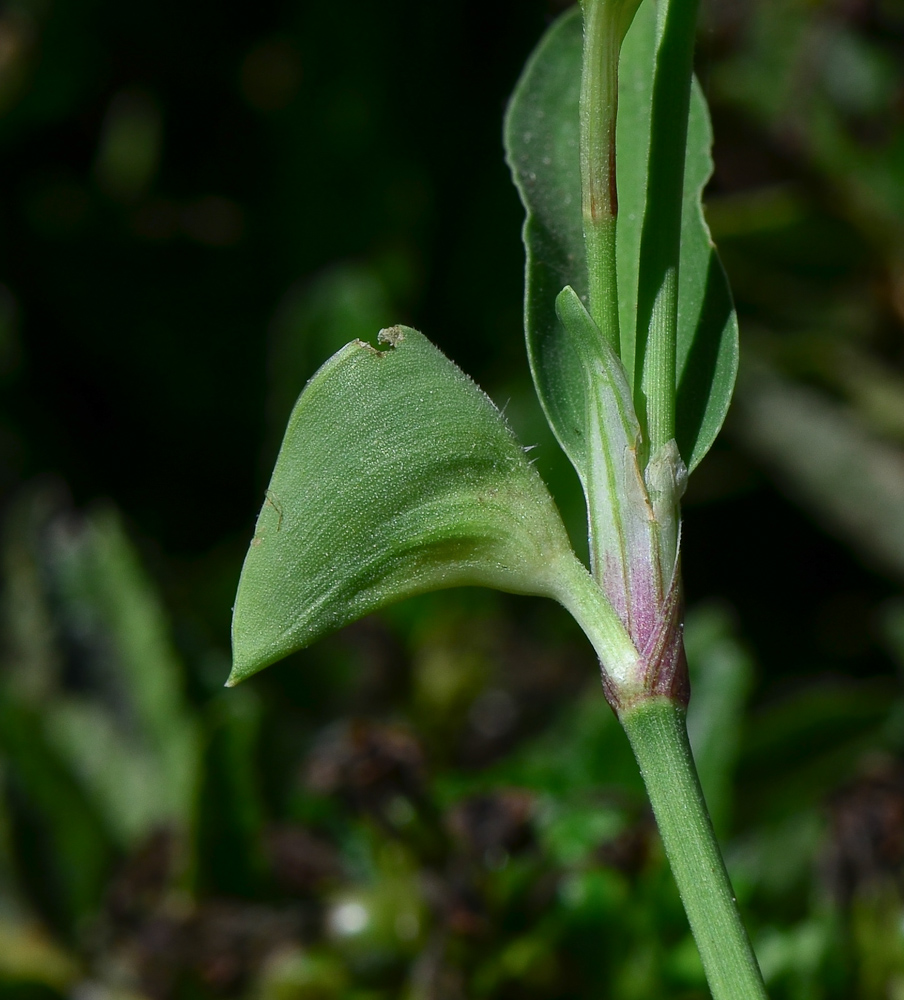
x: 707, y: 355
x: 622, y: 527
x: 542, y: 142
x: 542, y: 145
x: 397, y: 476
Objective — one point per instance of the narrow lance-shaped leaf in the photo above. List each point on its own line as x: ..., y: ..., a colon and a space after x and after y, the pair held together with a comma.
x: 542, y: 142
x: 622, y: 546
x: 397, y: 476
x: 707, y: 335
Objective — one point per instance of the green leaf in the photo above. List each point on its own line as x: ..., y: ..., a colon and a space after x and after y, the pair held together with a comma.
x: 623, y: 546
x: 542, y: 144
x: 397, y: 476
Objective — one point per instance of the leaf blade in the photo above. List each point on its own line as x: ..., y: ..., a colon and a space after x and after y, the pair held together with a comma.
x: 397, y: 476
x: 708, y: 348
x: 542, y: 142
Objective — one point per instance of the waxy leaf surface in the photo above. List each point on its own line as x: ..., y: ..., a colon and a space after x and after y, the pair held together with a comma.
x: 542, y: 144
x: 397, y: 476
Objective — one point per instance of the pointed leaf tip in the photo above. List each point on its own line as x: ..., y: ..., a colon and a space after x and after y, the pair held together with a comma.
x: 397, y: 475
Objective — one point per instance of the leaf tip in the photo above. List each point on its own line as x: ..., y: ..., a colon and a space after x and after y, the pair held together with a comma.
x: 249, y: 637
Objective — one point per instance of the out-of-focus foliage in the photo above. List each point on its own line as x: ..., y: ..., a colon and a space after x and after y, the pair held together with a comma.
x: 198, y: 207
x: 487, y: 836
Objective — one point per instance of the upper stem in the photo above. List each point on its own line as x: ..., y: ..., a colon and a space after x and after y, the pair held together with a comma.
x: 658, y: 735
x: 605, y: 25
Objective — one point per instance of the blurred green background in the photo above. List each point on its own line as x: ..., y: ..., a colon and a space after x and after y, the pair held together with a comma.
x: 198, y: 204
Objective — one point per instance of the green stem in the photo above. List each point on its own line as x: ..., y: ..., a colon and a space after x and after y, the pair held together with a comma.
x: 658, y: 735
x: 657, y: 302
x: 605, y: 25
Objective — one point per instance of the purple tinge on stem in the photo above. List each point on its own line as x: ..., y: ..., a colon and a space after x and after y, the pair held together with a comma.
x: 656, y: 625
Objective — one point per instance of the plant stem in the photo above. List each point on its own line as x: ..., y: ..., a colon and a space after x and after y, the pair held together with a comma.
x: 658, y: 734
x: 657, y: 301
x: 605, y: 24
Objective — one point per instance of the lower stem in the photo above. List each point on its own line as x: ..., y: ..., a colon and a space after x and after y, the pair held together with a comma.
x: 658, y: 735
